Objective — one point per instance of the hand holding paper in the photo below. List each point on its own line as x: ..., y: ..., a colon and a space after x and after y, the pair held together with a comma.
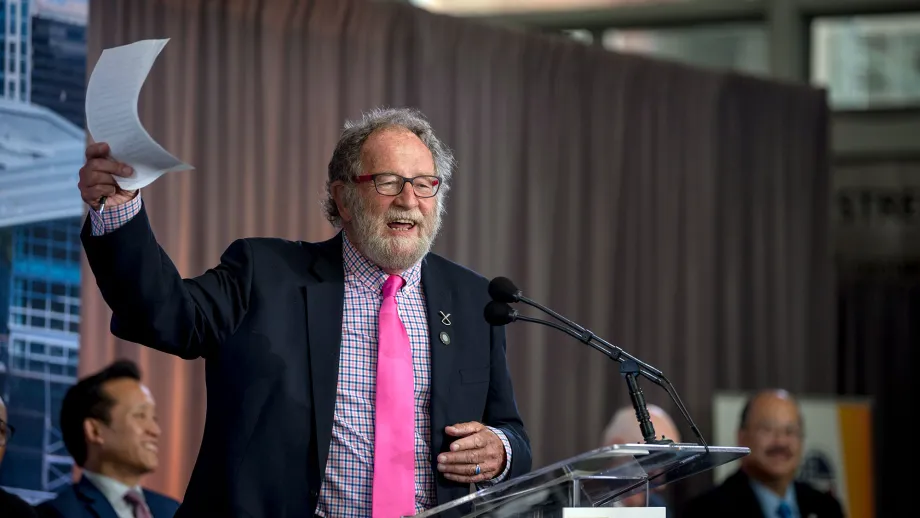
x: 111, y: 113
x: 98, y: 185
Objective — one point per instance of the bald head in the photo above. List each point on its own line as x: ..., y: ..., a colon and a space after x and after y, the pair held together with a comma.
x: 768, y: 397
x: 771, y: 426
x: 624, y: 427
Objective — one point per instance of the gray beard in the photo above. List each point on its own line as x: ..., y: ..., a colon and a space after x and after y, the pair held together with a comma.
x: 386, y: 252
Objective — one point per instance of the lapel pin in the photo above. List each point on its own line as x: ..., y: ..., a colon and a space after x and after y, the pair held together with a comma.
x: 445, y: 338
x: 445, y: 318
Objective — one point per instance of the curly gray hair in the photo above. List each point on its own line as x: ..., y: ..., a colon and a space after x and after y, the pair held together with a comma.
x: 346, y: 159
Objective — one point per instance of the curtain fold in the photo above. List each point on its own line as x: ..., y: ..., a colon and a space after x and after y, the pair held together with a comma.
x: 879, y: 313
x: 679, y: 213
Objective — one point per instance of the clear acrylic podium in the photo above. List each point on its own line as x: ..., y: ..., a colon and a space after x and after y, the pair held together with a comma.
x: 597, y: 478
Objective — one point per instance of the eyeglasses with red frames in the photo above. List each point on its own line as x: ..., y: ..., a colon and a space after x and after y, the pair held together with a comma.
x: 391, y: 184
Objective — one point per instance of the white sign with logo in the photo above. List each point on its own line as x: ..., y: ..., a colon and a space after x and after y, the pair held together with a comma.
x: 614, y: 512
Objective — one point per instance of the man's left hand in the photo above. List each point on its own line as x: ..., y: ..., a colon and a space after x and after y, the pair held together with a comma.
x: 478, y: 446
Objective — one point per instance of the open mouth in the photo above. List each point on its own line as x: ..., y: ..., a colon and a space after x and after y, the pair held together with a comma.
x: 401, y: 225
x: 150, y: 446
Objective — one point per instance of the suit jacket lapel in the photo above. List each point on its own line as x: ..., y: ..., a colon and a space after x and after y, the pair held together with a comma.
x: 439, y: 297
x: 96, y: 503
x: 152, y: 502
x: 747, y: 502
x: 325, y: 295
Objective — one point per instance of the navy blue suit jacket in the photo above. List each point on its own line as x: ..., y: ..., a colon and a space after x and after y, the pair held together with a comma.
x: 268, y: 322
x: 85, y: 500
x: 735, y: 497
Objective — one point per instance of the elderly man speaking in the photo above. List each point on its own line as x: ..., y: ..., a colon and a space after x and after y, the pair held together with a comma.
x: 354, y: 377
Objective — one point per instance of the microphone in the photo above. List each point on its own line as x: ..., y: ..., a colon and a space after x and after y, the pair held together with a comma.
x: 503, y: 290
x: 498, y: 312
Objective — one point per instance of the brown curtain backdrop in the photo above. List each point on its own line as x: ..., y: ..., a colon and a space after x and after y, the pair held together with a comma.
x: 879, y: 324
x: 679, y: 213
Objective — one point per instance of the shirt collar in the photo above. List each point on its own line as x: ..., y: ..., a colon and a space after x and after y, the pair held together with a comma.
x: 770, y: 501
x: 371, y: 275
x: 113, y: 490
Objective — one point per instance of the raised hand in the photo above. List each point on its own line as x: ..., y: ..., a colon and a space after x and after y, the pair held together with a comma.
x: 97, y: 180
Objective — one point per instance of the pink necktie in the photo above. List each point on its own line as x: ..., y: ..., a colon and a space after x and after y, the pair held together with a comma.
x: 394, y: 430
x: 140, y: 510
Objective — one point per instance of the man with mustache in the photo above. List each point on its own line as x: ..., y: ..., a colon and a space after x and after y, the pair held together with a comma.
x: 350, y: 378
x: 109, y: 424
x: 771, y: 426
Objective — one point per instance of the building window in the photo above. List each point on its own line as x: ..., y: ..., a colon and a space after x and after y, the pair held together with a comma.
x: 12, y: 26
x: 39, y: 304
x: 40, y: 356
x: 868, y: 62
x: 740, y: 47
x: 46, y: 280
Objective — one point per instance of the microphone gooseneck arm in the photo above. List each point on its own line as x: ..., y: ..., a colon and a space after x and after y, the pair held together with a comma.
x: 586, y: 336
x: 573, y: 334
x: 617, y: 354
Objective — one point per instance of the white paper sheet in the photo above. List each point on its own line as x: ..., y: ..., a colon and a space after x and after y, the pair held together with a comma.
x: 111, y: 112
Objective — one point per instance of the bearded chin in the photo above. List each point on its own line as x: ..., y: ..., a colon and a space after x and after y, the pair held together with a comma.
x: 393, y: 253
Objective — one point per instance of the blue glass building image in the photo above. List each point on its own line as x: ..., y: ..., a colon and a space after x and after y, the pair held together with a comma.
x: 59, y: 66
x: 42, y: 89
x: 40, y: 273
x: 42, y: 350
x: 15, y: 53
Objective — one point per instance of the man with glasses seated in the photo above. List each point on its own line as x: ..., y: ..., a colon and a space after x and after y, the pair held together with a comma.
x: 11, y: 506
x: 771, y: 426
x: 354, y: 377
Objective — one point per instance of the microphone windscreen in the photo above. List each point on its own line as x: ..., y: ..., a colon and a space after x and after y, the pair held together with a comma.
x: 499, y: 313
x: 503, y: 290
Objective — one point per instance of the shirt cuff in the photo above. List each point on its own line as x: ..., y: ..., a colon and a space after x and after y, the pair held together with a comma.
x: 113, y: 218
x: 504, y: 474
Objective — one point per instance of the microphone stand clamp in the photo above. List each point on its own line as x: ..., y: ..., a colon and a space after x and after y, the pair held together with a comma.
x: 630, y: 370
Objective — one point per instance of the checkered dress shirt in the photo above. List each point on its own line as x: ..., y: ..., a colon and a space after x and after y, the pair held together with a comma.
x: 347, y: 487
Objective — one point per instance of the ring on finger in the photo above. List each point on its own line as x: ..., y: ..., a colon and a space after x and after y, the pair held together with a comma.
x: 478, y: 470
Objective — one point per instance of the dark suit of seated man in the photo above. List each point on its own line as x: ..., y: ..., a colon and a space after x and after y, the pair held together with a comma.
x: 354, y: 377
x: 764, y: 487
x: 109, y: 425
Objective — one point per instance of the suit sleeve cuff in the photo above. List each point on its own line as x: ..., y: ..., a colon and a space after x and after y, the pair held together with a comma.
x: 113, y: 218
x: 504, y: 474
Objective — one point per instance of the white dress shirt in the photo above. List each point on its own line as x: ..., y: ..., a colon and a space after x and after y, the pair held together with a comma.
x: 114, y: 492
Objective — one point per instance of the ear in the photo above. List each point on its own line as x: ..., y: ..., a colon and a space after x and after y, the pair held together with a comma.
x: 338, y: 194
x: 92, y: 430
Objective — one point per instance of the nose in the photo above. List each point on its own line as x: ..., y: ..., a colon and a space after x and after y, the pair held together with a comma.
x: 154, y: 429
x: 407, y: 198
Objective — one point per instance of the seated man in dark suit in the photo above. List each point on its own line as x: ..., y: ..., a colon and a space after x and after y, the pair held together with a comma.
x: 348, y: 378
x: 110, y: 429
x: 11, y: 505
x: 765, y: 486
